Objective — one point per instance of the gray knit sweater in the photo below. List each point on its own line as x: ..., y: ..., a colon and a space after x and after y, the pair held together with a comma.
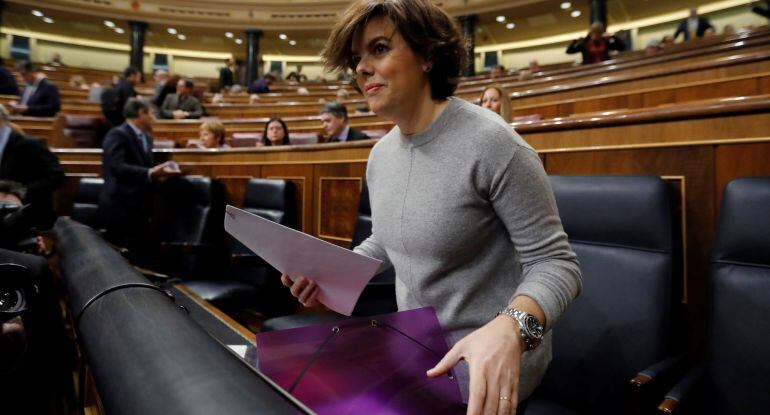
x: 465, y: 213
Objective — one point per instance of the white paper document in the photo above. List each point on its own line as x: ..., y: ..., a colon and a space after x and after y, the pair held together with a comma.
x: 341, y: 274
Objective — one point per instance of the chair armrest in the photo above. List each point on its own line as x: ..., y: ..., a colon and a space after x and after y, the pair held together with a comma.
x: 684, y: 389
x: 152, y: 275
x: 672, y: 366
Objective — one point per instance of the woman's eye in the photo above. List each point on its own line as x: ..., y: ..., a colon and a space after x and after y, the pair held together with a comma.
x: 380, y: 48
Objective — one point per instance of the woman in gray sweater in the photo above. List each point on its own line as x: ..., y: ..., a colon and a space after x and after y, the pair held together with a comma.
x: 461, y: 205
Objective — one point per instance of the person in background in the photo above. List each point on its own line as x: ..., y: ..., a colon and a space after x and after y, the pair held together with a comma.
x: 525, y: 75
x: 597, y: 45
x: 56, y: 60
x: 334, y: 118
x: 182, y: 105
x: 29, y: 162
x: 8, y: 84
x: 495, y: 98
x: 497, y: 71
x: 212, y: 135
x: 342, y: 95
x: 160, y: 76
x: 728, y: 29
x: 534, y: 66
x: 667, y: 41
x: 262, y: 86
x: 78, y: 81
x: 168, y: 87
x: 461, y: 205
x: 40, y: 97
x: 297, y: 76
x: 253, y: 99
x: 710, y: 32
x: 653, y: 47
x: 128, y: 169
x: 276, y: 133
x: 114, y: 99
x: 692, y: 27
x: 226, y: 75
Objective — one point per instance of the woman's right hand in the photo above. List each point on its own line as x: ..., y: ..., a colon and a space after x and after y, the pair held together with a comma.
x: 302, y: 289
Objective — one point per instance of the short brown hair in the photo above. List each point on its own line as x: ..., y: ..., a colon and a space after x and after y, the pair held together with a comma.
x: 428, y: 30
x: 216, y: 128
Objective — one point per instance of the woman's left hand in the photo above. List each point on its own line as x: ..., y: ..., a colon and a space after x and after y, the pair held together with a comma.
x: 493, y: 353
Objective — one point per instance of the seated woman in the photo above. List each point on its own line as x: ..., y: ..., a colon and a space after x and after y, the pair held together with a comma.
x: 212, y: 135
x: 495, y: 98
x: 461, y: 205
x: 276, y: 133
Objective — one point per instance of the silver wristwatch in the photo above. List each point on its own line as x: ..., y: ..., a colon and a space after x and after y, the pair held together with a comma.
x: 530, y: 328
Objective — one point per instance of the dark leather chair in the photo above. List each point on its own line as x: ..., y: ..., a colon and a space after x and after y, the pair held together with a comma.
x: 83, y: 130
x: 190, y: 230
x: 735, y: 377
x: 623, y: 231
x: 250, y: 281
x: 86, y: 206
x: 378, y: 297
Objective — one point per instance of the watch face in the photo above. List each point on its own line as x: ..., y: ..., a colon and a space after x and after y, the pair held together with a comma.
x: 533, y: 327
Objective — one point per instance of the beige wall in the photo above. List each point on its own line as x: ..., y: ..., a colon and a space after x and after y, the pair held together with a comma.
x: 195, y: 67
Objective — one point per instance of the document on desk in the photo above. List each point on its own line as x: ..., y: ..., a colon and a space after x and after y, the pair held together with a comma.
x: 341, y: 274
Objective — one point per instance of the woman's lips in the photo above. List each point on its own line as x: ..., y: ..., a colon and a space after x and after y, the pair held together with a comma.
x: 373, y: 88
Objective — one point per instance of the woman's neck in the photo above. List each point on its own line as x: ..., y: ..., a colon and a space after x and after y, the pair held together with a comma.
x: 421, y: 115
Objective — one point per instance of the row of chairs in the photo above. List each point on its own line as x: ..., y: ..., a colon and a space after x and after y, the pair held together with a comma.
x: 628, y: 319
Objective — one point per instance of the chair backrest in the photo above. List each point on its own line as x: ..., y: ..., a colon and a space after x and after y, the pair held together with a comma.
x: 303, y: 138
x: 379, y: 296
x: 739, y: 337
x: 622, y: 230
x: 86, y: 206
x: 245, y: 139
x: 83, y: 130
x: 273, y: 199
x: 195, y: 210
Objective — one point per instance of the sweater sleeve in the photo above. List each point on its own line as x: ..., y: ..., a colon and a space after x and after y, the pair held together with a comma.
x: 522, y: 198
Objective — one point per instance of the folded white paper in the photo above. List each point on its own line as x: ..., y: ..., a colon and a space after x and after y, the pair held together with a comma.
x: 341, y: 274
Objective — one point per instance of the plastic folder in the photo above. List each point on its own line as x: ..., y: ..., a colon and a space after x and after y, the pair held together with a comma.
x: 372, y: 365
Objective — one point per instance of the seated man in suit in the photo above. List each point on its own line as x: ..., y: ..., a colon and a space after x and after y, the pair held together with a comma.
x: 334, y: 118
x: 127, y: 166
x: 29, y: 162
x: 182, y: 104
x: 40, y: 97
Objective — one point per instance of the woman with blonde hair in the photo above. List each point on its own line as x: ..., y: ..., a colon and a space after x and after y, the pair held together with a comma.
x: 496, y: 99
x: 461, y: 205
x: 212, y: 135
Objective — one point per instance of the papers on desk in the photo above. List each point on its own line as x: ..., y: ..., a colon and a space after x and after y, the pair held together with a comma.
x: 341, y: 274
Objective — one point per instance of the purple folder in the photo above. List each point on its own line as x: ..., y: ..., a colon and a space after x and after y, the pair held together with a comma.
x: 372, y: 365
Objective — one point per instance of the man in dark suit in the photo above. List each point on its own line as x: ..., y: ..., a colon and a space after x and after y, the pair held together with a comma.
x: 694, y: 26
x: 8, y: 85
x: 182, y: 105
x: 115, y: 98
x: 40, y: 97
x: 127, y: 167
x: 29, y: 162
x: 226, y: 75
x: 334, y: 118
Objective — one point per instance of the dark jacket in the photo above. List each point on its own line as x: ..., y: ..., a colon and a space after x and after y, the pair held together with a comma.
x: 582, y: 46
x: 189, y: 104
x: 225, y: 77
x: 45, y: 102
x: 115, y: 98
x: 29, y: 162
x: 353, y: 135
x: 8, y: 85
x: 259, y: 86
x: 127, y: 192
x: 703, y: 25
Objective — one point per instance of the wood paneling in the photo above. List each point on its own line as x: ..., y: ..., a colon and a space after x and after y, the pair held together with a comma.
x: 338, y: 188
x: 738, y: 160
x: 302, y: 177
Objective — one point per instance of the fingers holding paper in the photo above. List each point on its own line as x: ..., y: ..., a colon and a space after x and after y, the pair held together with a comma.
x: 303, y: 289
x: 493, y: 353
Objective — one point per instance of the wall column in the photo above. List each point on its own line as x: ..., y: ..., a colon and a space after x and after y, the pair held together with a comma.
x: 599, y: 11
x: 252, y: 55
x: 468, y: 27
x: 138, y: 30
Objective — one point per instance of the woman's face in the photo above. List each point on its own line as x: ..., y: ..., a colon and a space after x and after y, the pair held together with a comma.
x: 208, y: 139
x: 390, y: 75
x: 275, y: 133
x: 491, y: 100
